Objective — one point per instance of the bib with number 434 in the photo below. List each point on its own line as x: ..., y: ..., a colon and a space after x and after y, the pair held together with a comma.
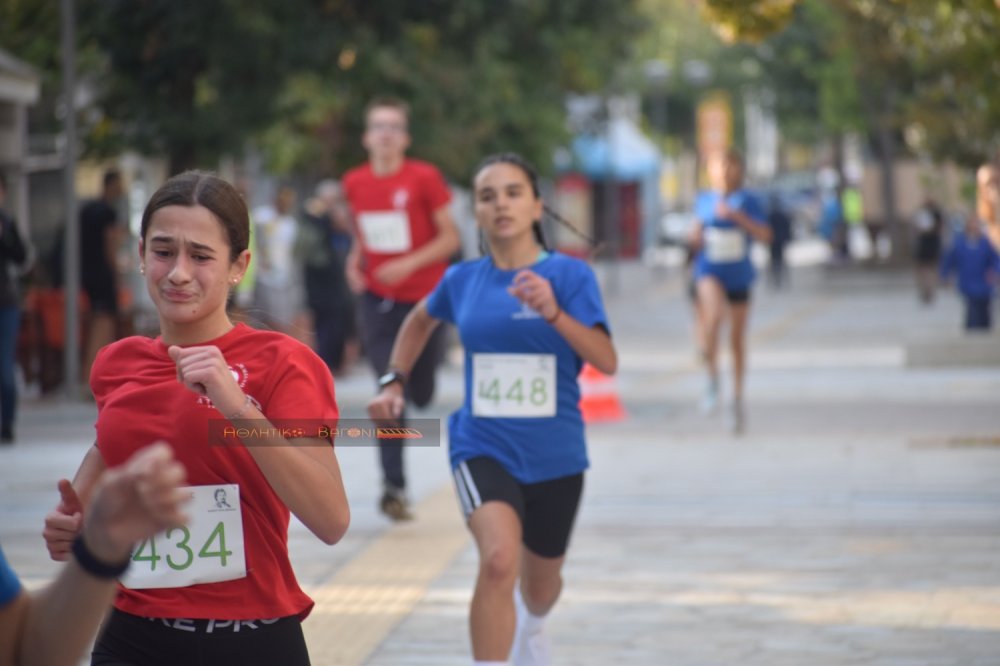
x: 209, y: 549
x: 514, y: 385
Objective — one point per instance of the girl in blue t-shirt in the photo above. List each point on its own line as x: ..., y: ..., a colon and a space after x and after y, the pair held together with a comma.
x: 528, y: 320
x: 728, y: 220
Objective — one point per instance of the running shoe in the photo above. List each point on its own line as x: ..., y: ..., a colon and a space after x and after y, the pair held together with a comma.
x: 531, y: 643
x: 710, y: 399
x: 737, y: 418
x: 394, y: 503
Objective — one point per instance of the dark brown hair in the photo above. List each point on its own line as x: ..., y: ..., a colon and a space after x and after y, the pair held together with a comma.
x: 532, y: 175
x: 387, y: 102
x: 201, y: 188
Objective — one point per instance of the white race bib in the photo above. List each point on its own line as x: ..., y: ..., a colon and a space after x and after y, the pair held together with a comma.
x: 386, y: 232
x: 724, y: 246
x: 209, y: 549
x: 513, y: 385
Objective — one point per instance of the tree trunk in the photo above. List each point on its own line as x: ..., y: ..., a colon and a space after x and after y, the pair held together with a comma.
x: 893, y: 227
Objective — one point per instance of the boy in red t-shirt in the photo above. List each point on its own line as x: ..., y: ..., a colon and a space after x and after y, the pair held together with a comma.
x: 404, y: 236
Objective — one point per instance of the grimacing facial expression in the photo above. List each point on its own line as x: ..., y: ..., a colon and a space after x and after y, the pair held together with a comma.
x: 505, y: 204
x: 186, y: 260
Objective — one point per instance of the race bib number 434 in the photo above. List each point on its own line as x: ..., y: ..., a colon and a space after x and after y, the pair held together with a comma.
x: 514, y: 385
x: 209, y: 549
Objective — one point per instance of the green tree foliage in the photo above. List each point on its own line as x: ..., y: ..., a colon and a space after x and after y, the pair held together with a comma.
x: 481, y: 76
x: 198, y: 80
x: 926, y: 68
x: 30, y: 31
x: 194, y: 81
x: 811, y: 67
x: 954, y: 48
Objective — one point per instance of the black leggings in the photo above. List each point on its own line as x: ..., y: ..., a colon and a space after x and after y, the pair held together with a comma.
x: 130, y: 640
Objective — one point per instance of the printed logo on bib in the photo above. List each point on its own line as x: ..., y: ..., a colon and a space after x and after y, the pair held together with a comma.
x: 209, y: 549
x: 513, y: 385
x: 724, y: 245
x: 386, y: 232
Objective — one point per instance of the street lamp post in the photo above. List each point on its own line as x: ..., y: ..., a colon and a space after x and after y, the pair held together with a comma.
x: 658, y: 75
x: 71, y: 255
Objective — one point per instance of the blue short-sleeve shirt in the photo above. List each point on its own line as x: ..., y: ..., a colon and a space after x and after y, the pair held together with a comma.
x: 9, y: 585
x: 738, y: 273
x: 474, y: 296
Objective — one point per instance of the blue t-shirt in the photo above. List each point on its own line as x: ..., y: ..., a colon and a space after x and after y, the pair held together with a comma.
x: 734, y: 271
x: 9, y: 585
x: 473, y: 295
x: 973, y: 259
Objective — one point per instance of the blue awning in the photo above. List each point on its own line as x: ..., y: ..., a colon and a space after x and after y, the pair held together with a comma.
x: 623, y: 151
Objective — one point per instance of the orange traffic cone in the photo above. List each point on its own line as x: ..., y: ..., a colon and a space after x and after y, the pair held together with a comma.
x: 599, y: 401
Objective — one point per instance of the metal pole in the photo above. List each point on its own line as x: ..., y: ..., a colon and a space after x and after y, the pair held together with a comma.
x: 612, y: 227
x: 71, y: 244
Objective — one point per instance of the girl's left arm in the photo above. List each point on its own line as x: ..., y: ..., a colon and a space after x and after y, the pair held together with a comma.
x: 592, y: 343
x: 305, y: 474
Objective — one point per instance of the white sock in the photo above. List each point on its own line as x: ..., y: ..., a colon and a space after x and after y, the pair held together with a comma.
x: 531, y: 621
x: 489, y: 663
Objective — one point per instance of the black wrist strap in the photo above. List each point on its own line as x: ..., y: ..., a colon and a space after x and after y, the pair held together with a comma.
x: 89, y: 562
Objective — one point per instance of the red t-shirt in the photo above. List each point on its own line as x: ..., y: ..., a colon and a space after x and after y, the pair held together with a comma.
x: 140, y: 401
x: 419, y: 190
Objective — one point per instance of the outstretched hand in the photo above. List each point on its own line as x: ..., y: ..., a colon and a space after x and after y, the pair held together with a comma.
x: 134, y: 501
x: 63, y: 523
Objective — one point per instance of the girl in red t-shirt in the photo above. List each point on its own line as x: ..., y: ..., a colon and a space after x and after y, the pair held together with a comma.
x: 250, y: 414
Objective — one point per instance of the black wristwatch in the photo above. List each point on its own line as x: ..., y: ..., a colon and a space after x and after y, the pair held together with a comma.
x: 391, y: 377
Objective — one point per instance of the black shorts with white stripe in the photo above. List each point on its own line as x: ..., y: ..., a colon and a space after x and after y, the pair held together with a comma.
x: 547, y: 509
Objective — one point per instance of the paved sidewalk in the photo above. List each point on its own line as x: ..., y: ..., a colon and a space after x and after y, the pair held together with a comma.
x: 857, y: 521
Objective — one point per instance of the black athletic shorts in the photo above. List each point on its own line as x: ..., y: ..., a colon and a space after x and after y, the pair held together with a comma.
x: 130, y: 640
x: 732, y: 295
x: 738, y: 295
x: 547, y: 509
x: 101, y: 295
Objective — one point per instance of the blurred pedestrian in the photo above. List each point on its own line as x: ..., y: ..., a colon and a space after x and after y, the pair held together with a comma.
x: 781, y: 236
x: 928, y: 222
x: 697, y: 321
x: 529, y: 319
x: 988, y: 201
x: 13, y: 255
x: 327, y: 295
x: 249, y: 413
x: 833, y: 226
x: 977, y: 264
x: 404, y: 238
x: 242, y: 297
x: 729, y: 219
x: 101, y: 234
x: 54, y: 625
x: 278, y: 293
